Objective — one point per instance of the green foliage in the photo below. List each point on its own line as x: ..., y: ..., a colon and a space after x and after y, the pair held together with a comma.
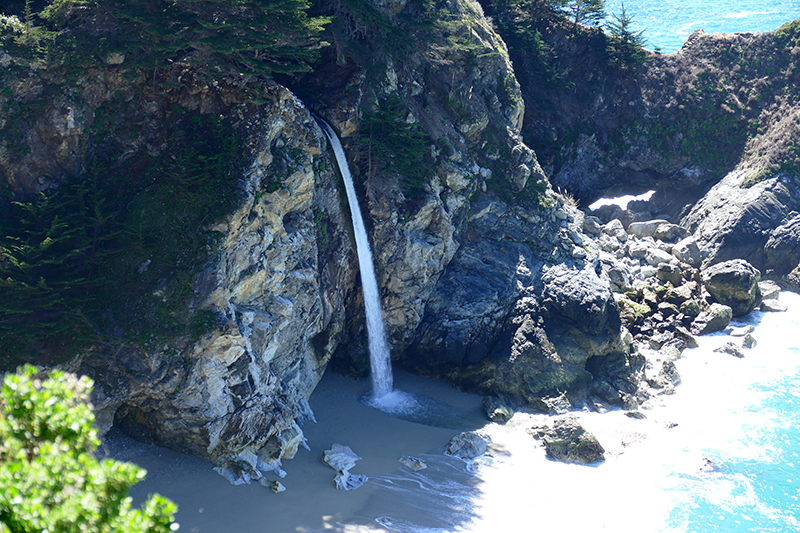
x: 390, y: 142
x: 49, y: 477
x: 589, y: 12
x: 788, y: 35
x: 625, y: 46
x: 257, y: 37
x: 113, y: 253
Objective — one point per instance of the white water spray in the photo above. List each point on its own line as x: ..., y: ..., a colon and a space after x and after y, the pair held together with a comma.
x: 379, y: 355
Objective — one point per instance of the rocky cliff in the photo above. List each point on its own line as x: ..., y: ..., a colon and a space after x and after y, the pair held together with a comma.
x: 489, y: 279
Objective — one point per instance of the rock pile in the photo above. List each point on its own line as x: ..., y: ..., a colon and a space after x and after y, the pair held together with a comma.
x: 342, y: 459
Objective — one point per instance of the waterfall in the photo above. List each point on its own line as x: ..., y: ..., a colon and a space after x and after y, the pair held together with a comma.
x: 379, y: 355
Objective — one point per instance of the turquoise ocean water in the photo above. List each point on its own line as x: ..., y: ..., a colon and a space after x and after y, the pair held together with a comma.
x: 667, y: 23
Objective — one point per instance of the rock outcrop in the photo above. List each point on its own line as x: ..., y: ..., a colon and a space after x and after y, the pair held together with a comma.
x: 567, y: 441
x: 735, y: 284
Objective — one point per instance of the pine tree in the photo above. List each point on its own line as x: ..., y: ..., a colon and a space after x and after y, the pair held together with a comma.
x: 625, y: 46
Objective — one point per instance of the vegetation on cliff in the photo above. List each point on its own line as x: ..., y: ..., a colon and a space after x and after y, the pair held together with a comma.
x: 49, y: 477
x: 112, y: 253
x: 215, y: 36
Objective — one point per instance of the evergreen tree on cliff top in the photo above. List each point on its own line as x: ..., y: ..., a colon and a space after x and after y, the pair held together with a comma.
x: 589, y: 12
x: 625, y: 46
x: 49, y: 477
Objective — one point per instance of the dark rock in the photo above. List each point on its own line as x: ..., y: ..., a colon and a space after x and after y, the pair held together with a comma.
x: 667, y: 375
x: 347, y: 481
x: 732, y: 221
x: 735, y: 284
x: 783, y: 247
x: 716, y: 318
x: 670, y: 232
x: 681, y: 293
x: 688, y: 252
x: 567, y: 441
x: 496, y: 409
x: 668, y: 272
x: 467, y: 445
x: 638, y: 415
x: 690, y: 308
x: 708, y: 466
x: 667, y: 309
x: 686, y: 336
x: 749, y: 342
x: 730, y: 348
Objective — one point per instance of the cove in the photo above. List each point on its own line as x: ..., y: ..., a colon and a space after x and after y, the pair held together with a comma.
x: 741, y: 414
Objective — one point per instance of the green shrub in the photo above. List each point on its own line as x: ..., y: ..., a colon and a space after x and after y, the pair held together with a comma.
x: 49, y: 477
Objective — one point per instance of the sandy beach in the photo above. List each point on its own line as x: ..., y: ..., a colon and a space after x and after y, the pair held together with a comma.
x: 209, y: 503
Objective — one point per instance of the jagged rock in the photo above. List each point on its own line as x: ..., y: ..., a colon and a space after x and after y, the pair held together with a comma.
x: 749, y: 342
x: 708, y: 466
x: 567, y: 441
x: 732, y: 221
x: 591, y: 225
x: 772, y: 306
x: 735, y: 284
x: 276, y: 487
x: 340, y: 457
x: 716, y: 318
x: 769, y: 290
x: 730, y: 348
x: 740, y: 331
x: 686, y: 336
x: 413, y: 463
x: 645, y: 229
x: 668, y: 272
x: 632, y: 312
x: 467, y: 445
x: 667, y: 375
x: 656, y: 256
x: 615, y: 229
x: 670, y: 232
x: 783, y: 246
x: 347, y: 481
x: 690, y: 308
x: 496, y: 409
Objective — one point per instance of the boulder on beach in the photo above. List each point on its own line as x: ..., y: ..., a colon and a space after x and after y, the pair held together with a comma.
x: 496, y: 409
x: 466, y: 445
x: 735, y: 284
x: 773, y: 306
x: 567, y: 441
x: 413, y: 463
x: 730, y: 348
x: 716, y: 318
x: 342, y: 459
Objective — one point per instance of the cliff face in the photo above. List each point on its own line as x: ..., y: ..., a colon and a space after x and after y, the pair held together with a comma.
x: 488, y: 278
x: 724, y: 106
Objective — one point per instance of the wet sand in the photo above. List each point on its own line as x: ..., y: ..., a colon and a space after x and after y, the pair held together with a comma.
x: 208, y: 503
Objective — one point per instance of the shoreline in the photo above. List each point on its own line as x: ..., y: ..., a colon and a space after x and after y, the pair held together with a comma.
x: 645, y: 461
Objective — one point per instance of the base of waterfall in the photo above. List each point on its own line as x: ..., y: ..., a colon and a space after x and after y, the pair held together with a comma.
x: 421, y: 409
x: 720, y: 454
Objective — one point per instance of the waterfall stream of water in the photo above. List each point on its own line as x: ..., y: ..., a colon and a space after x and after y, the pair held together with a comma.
x: 379, y: 354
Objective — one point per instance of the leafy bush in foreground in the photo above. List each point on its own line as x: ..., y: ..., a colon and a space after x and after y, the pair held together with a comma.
x: 49, y: 478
